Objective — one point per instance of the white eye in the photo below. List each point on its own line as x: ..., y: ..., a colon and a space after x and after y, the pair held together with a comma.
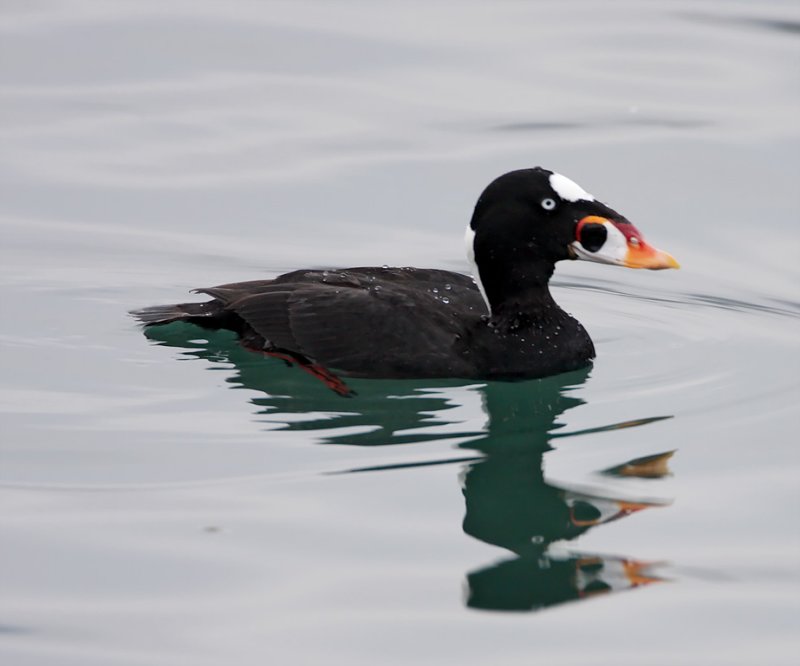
x: 548, y: 204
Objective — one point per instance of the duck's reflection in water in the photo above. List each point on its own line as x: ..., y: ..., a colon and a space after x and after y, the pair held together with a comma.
x: 509, y: 502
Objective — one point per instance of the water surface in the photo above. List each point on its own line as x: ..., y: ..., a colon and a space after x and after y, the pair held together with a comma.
x: 172, y: 499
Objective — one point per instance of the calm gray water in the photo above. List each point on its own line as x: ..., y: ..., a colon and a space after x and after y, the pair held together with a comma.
x: 170, y: 499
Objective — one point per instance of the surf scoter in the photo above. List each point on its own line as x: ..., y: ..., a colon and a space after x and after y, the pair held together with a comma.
x: 502, y: 323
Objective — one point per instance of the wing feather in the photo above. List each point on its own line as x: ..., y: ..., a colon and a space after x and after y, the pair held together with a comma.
x: 363, y: 322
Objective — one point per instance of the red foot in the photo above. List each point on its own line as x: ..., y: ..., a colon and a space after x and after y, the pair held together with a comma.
x: 330, y: 380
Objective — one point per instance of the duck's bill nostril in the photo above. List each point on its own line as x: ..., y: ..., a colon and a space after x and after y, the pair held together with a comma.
x: 642, y: 255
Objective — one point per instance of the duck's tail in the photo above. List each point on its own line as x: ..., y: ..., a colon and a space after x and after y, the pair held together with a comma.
x: 195, y: 313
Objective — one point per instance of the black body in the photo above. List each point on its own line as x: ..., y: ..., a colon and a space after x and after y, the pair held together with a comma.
x: 390, y: 323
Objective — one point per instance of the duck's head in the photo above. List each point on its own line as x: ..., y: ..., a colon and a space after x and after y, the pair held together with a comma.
x: 527, y: 220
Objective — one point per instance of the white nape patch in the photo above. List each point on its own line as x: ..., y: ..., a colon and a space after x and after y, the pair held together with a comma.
x: 568, y: 189
x: 469, y: 241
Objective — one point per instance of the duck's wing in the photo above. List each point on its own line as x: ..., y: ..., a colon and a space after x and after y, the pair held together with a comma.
x: 364, y: 322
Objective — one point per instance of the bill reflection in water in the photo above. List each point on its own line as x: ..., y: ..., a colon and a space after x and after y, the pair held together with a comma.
x: 509, y: 501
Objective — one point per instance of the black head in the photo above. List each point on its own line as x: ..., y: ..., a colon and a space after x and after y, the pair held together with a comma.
x: 527, y: 220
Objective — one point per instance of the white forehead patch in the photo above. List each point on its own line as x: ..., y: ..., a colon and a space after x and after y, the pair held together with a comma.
x: 568, y: 189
